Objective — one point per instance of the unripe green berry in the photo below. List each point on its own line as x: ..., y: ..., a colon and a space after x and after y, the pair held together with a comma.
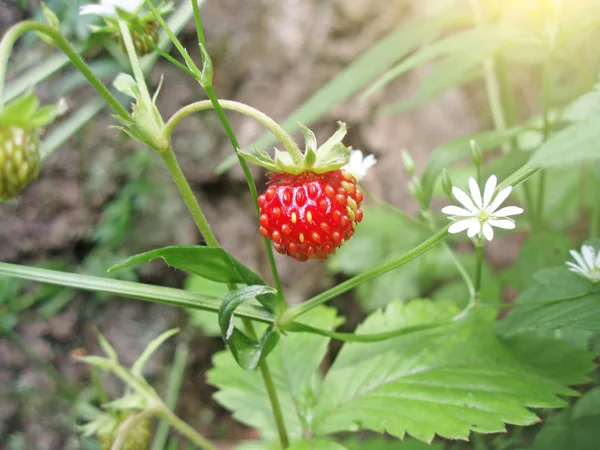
x: 138, y: 437
x: 143, y: 36
x: 19, y: 160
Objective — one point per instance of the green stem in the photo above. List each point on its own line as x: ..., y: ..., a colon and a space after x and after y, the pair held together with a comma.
x: 300, y: 309
x: 242, y: 108
x: 271, y: 391
x: 595, y: 213
x: 186, y: 430
x: 518, y: 177
x: 478, y: 267
x: 546, y: 135
x: 16, y: 31
x: 130, y: 289
x: 492, y: 83
x: 135, y: 63
x: 461, y: 269
x: 173, y: 389
x: 170, y: 160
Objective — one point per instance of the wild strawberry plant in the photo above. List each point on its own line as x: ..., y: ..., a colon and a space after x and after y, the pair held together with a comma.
x: 446, y: 367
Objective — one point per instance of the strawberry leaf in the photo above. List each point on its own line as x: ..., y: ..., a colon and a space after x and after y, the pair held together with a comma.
x: 248, y: 352
x: 448, y: 383
x: 295, y: 368
x: 558, y: 298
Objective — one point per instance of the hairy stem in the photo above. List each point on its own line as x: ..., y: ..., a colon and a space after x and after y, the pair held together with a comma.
x: 57, y: 39
x: 170, y: 160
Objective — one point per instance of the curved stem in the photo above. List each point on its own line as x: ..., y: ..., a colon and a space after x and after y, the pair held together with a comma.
x: 242, y: 108
x: 135, y: 63
x: 186, y: 430
x: 188, y: 196
x: 16, y: 31
x: 295, y: 311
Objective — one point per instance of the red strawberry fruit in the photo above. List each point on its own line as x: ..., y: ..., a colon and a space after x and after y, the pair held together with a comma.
x: 311, y: 206
x: 310, y: 215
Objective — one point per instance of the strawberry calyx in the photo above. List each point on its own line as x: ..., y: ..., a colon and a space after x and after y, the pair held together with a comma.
x: 330, y: 156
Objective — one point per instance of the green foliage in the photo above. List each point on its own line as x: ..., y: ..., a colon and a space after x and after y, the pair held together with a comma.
x: 574, y: 428
x: 381, y: 443
x: 376, y: 241
x: 558, y: 298
x: 294, y: 364
x: 441, y: 381
x: 247, y: 351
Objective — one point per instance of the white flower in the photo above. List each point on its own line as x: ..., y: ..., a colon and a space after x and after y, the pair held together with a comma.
x: 108, y: 8
x: 479, y: 215
x: 588, y: 263
x: 359, y: 165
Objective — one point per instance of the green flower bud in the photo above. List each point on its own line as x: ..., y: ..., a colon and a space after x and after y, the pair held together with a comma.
x: 447, y: 183
x: 408, y: 162
x: 138, y: 437
x: 476, y: 154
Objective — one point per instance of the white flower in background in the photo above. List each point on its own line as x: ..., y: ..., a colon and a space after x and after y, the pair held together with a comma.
x: 588, y: 263
x: 108, y: 8
x: 479, y: 215
x: 359, y: 165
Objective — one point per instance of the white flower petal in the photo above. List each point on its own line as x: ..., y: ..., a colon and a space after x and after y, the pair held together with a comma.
x: 464, y: 199
x: 369, y: 162
x: 358, y: 165
x: 502, y: 195
x: 456, y: 211
x: 100, y: 10
x: 574, y: 266
x: 578, y: 270
x: 588, y: 255
x: 488, y: 231
x: 474, y: 229
x: 508, y: 211
x: 577, y: 257
x: 507, y: 224
x: 488, y: 192
x: 461, y: 225
x: 598, y: 260
x: 475, y: 192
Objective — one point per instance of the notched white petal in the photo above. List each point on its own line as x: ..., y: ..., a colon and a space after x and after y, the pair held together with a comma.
x: 453, y: 210
x: 464, y: 199
x: 488, y: 192
x: 507, y: 224
x: 588, y: 255
x: 488, y: 231
x: 461, y: 225
x: 508, y: 211
x: 474, y: 229
x: 502, y: 195
x: 475, y: 192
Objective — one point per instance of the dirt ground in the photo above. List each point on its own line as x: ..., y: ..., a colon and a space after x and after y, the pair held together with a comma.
x: 273, y: 56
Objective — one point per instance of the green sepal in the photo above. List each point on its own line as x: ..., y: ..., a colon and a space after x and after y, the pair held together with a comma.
x: 145, y: 124
x: 248, y: 352
x: 25, y: 112
x: 332, y: 155
x: 50, y: 17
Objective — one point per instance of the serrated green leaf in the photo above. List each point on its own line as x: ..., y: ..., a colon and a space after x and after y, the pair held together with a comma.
x: 558, y: 299
x: 212, y: 263
x: 449, y: 152
x: 295, y: 368
x: 542, y: 249
x: 248, y: 352
x: 381, y: 443
x: 317, y: 444
x: 446, y: 383
x: 370, y: 64
x: 573, y: 429
x: 575, y: 144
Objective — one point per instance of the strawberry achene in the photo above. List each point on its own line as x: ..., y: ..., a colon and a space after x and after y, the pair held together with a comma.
x: 310, y: 215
